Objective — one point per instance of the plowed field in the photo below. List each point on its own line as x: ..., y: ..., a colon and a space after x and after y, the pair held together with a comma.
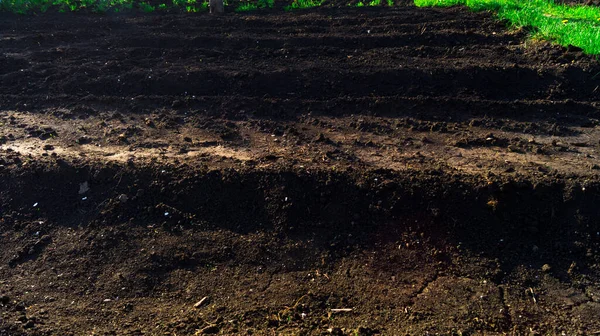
x: 333, y: 171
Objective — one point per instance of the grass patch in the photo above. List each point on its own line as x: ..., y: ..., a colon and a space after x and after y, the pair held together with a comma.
x: 372, y: 3
x: 577, y: 26
x: 266, y: 3
x: 302, y: 4
x: 247, y: 7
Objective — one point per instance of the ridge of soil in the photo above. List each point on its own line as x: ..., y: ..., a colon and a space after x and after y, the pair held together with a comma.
x: 279, y: 248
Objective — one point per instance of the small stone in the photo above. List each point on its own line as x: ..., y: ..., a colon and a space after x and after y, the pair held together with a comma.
x: 546, y: 268
x: 83, y: 188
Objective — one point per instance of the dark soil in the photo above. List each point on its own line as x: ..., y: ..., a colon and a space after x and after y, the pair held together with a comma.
x: 336, y: 171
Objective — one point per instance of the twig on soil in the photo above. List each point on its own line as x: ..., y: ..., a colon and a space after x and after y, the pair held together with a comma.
x: 201, y: 302
x: 341, y: 310
x: 532, y: 295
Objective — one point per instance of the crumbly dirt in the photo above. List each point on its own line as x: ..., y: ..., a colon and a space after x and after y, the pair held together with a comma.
x: 337, y: 171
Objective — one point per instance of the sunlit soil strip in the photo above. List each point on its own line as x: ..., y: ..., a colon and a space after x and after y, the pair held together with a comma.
x: 577, y: 26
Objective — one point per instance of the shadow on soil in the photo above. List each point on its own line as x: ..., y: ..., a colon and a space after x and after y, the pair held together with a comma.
x: 518, y: 223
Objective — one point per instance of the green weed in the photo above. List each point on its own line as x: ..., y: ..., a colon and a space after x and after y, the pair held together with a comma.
x: 266, y: 3
x: 302, y: 4
x: 246, y: 7
x: 204, y: 6
x: 146, y: 7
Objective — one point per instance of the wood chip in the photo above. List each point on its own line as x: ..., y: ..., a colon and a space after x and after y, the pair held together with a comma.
x: 201, y: 302
x: 341, y: 310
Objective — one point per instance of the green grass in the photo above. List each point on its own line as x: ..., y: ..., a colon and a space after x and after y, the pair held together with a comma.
x: 266, y: 3
x: 302, y: 4
x: 246, y: 7
x: 372, y: 3
x: 577, y: 26
x: 249, y: 6
x: 147, y: 8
